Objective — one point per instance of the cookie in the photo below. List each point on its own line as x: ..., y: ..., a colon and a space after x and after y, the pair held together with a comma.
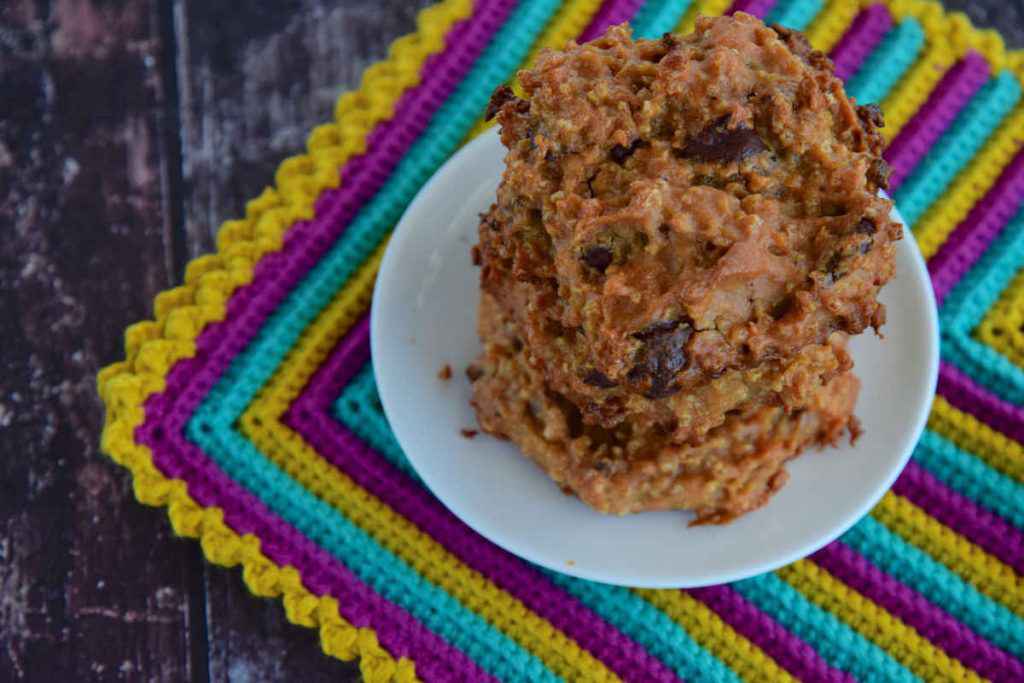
x: 691, y: 206
x: 686, y: 233
x: 736, y: 467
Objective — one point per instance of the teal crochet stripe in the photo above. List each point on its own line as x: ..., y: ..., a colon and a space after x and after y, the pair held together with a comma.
x: 951, y: 152
x: 972, y: 477
x: 795, y: 14
x: 385, y: 558
x: 449, y: 125
x: 649, y: 626
x: 986, y: 366
x: 386, y: 573
x: 633, y: 615
x: 937, y: 583
x: 837, y: 643
x: 966, y: 305
x: 658, y: 17
x: 358, y: 408
x: 887, y: 63
x: 251, y: 369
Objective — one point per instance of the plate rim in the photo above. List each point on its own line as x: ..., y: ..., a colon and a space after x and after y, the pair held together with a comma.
x: 403, y: 229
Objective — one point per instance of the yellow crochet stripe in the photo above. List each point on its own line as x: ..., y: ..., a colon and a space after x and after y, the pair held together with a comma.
x: 974, y: 436
x: 182, y: 312
x: 209, y: 280
x: 831, y: 23
x: 153, y: 347
x: 124, y: 394
x: 945, y: 42
x: 718, y: 637
x: 948, y: 36
x: 300, y: 179
x: 568, y: 23
x: 1001, y: 327
x: 986, y: 573
x: 707, y: 8
x: 956, y: 31
x: 261, y: 418
x: 970, y: 185
x: 875, y: 623
x: 261, y: 424
x: 986, y: 41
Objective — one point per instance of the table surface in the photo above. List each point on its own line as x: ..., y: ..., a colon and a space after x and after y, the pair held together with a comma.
x: 129, y: 131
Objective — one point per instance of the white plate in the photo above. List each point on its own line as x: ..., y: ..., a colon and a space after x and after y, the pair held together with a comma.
x: 424, y: 315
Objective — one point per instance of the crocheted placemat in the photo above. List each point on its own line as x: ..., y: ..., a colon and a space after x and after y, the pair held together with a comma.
x: 248, y: 408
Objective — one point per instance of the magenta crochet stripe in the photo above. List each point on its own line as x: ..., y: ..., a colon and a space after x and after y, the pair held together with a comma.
x: 309, y: 417
x: 986, y: 220
x: 759, y: 8
x: 190, y: 380
x: 964, y: 394
x: 792, y: 653
x: 937, y: 626
x: 398, y: 632
x: 962, y: 515
x: 952, y: 92
x: 277, y: 273
x: 860, y: 39
x: 610, y: 13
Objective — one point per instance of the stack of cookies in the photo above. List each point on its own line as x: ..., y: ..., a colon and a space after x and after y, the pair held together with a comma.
x: 686, y: 233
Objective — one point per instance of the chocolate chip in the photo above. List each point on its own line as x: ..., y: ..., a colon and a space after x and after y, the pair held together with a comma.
x: 720, y: 144
x: 473, y: 373
x: 795, y: 40
x: 865, y: 226
x: 499, y: 97
x: 474, y: 254
x: 619, y: 154
x: 487, y: 221
x: 517, y: 344
x: 503, y: 95
x: 469, y: 433
x: 596, y: 378
x: 819, y: 60
x: 656, y: 329
x: 870, y: 115
x: 878, y: 173
x: 598, y: 257
x: 571, y: 412
x: 554, y: 328
x: 784, y: 306
x: 660, y: 357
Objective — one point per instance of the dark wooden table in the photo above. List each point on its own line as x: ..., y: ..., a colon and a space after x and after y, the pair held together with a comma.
x: 129, y: 129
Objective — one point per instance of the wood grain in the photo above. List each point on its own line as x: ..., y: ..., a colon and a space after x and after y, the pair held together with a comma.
x: 252, y: 85
x: 91, y: 585
x: 129, y: 129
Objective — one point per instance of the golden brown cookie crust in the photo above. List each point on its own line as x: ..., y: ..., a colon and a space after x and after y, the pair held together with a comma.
x: 686, y: 232
x: 735, y: 468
